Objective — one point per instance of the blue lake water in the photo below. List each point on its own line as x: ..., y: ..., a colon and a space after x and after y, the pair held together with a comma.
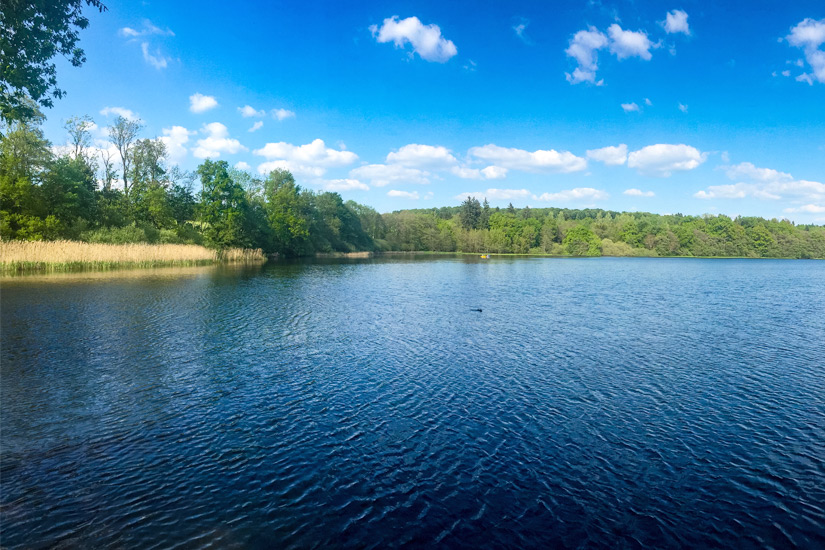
x: 604, y: 402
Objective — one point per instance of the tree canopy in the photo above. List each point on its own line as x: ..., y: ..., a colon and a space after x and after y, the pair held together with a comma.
x: 32, y: 32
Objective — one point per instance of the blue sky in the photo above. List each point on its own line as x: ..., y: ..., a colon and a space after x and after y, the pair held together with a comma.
x: 691, y: 107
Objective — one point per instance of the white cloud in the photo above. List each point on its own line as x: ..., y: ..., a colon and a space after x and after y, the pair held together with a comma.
x: 578, y: 194
x: 583, y: 47
x: 648, y: 102
x: 494, y: 172
x: 536, y: 161
x: 404, y: 194
x: 630, y: 107
x: 763, y: 183
x: 199, y: 103
x: 499, y: 194
x: 381, y: 175
x: 676, y: 22
x: 248, y: 111
x: 282, y: 114
x: 638, y: 193
x: 295, y: 168
x: 311, y: 159
x: 611, y: 156
x: 241, y: 165
x: 628, y: 43
x: 119, y: 111
x: 344, y: 185
x: 257, y: 126
x: 683, y: 107
x: 809, y: 35
x: 426, y: 40
x: 175, y: 139
x: 520, y: 29
x: 663, y: 159
x: 808, y: 208
x: 157, y: 59
x: 423, y: 156
x: 148, y: 29
x: 747, y: 170
x: 217, y: 141
x: 315, y: 152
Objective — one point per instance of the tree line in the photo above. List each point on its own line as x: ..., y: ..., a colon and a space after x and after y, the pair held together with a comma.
x: 476, y: 227
x: 126, y: 190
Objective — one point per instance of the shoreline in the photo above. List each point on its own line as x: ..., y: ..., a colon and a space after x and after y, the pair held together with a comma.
x: 33, y: 257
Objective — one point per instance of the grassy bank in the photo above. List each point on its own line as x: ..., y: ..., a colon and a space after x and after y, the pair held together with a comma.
x: 61, y: 256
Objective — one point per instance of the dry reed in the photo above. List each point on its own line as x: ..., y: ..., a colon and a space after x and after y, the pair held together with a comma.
x: 20, y: 256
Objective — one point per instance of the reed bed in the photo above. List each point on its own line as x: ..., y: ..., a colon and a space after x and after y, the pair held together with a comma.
x: 51, y: 256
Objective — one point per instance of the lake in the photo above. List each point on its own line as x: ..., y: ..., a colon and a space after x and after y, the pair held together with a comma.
x: 602, y: 402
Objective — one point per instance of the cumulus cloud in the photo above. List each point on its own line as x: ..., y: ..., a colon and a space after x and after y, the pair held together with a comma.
x: 611, y: 156
x: 403, y: 194
x: 311, y: 159
x: 494, y: 172
x: 630, y: 107
x: 763, y: 183
x: 344, y: 185
x: 638, y: 193
x: 257, y: 126
x: 663, y: 159
x: 577, y: 194
x: 248, y: 111
x: 241, y: 165
x: 175, y: 139
x: 282, y: 114
x: 381, y: 175
x: 119, y: 111
x: 676, y: 22
x: 423, y: 156
x: 199, y: 103
x: 426, y: 40
x: 626, y: 44
x: 809, y: 35
x: 583, y: 47
x: 217, y: 141
x: 536, y: 161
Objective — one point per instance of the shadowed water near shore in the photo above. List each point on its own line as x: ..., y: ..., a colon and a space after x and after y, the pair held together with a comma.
x: 362, y: 403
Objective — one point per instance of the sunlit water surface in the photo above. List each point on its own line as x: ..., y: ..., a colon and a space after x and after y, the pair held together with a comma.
x: 592, y: 403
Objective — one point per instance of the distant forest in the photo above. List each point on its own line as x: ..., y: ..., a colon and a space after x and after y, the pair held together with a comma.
x: 91, y: 194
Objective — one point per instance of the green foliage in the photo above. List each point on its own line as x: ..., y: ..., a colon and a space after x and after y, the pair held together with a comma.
x: 32, y: 32
x: 580, y: 241
x: 224, y: 208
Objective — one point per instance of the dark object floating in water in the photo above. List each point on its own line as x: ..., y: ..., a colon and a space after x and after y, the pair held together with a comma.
x: 476, y: 309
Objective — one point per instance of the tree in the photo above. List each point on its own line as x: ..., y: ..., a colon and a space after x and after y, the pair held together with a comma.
x: 580, y: 241
x: 109, y: 173
x: 287, y: 211
x: 224, y: 208
x: 148, y: 161
x: 123, y: 134
x: 32, y: 32
x: 470, y: 213
x: 80, y: 135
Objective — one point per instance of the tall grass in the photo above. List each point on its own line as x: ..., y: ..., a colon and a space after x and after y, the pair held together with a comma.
x: 49, y: 256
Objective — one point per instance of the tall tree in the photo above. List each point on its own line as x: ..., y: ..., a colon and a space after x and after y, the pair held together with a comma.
x: 470, y: 213
x: 224, y: 208
x: 80, y: 134
x: 32, y: 32
x: 123, y: 134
